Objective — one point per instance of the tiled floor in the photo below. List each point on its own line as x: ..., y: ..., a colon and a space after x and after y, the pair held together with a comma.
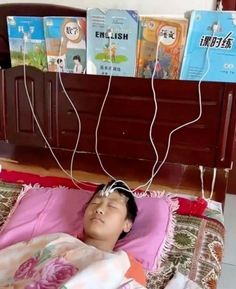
x: 228, y: 276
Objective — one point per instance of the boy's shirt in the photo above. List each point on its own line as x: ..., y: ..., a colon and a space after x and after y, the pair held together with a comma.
x: 136, y: 271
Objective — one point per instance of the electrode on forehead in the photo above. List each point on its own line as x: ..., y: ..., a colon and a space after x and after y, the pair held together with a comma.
x: 106, y: 191
x: 109, y: 189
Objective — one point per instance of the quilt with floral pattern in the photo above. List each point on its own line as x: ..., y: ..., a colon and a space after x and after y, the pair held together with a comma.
x: 62, y: 261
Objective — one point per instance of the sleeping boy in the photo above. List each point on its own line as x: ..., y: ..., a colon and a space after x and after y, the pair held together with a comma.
x: 108, y: 217
x: 59, y: 260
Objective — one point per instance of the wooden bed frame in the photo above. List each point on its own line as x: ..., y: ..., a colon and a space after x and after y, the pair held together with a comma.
x: 123, y: 136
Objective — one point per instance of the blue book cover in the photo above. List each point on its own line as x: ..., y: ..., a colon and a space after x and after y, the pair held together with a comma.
x: 112, y: 41
x: 212, y: 33
x: 65, y: 43
x: 26, y: 36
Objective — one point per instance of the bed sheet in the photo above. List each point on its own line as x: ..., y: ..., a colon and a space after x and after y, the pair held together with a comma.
x: 196, y: 252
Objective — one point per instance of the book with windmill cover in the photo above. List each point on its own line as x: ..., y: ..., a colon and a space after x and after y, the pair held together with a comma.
x: 65, y: 43
x: 163, y: 36
x: 112, y: 41
x: 26, y: 38
x: 210, y: 52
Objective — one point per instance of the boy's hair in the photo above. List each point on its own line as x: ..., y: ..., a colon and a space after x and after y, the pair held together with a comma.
x: 122, y: 189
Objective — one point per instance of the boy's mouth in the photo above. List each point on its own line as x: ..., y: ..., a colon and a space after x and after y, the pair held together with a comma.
x: 97, y: 219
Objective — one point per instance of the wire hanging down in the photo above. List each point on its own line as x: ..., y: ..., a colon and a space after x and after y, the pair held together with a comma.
x: 75, y: 181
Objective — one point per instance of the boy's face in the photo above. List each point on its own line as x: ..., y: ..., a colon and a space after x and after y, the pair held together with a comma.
x: 105, y: 217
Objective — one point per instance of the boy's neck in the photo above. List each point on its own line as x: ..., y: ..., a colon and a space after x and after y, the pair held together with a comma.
x: 99, y: 244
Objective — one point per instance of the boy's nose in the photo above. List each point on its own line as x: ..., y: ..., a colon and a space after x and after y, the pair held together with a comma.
x: 100, y: 210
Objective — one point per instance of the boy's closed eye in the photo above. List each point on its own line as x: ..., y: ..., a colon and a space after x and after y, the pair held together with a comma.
x: 95, y: 201
x: 113, y: 205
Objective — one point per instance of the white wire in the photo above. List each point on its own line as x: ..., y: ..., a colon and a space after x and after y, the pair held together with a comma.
x: 96, y: 134
x: 77, y: 115
x: 202, y: 181
x: 213, y: 183
x: 192, y: 121
x: 151, y: 126
x: 148, y: 183
x: 36, y: 120
x: 139, y: 195
x: 47, y: 143
x: 201, y: 167
x: 100, y: 114
x: 220, y: 6
x: 99, y: 118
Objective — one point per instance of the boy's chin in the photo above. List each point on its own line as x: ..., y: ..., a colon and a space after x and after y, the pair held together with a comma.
x: 98, y: 234
x: 94, y: 233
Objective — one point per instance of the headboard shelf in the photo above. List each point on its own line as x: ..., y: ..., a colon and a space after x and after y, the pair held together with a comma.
x: 128, y: 112
x: 125, y: 123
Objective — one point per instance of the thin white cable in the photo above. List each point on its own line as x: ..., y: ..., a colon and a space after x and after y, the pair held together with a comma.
x: 201, y: 169
x: 213, y: 183
x: 97, y: 128
x: 154, y: 95
x: 101, y: 111
x: 139, y: 195
x: 35, y: 117
x: 77, y: 115
x: 220, y: 6
x: 151, y: 126
x: 214, y: 28
x: 200, y: 109
x: 148, y: 183
x: 154, y: 118
x: 47, y: 143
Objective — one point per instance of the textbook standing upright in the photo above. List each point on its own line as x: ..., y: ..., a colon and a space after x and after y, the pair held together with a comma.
x: 66, y: 43
x: 26, y: 41
x: 111, y: 41
x: 166, y: 37
x: 212, y: 33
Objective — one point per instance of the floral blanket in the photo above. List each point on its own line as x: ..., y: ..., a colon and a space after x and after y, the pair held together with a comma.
x: 62, y: 261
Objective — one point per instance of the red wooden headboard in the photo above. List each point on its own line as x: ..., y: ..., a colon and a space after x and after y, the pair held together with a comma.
x: 124, y: 130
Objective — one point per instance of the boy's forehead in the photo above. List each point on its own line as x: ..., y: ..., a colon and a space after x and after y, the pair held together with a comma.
x: 115, y: 196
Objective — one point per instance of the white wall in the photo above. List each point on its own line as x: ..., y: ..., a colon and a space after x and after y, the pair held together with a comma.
x: 158, y: 7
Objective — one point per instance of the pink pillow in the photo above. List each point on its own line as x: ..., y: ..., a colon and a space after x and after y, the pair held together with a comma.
x: 48, y: 210
x: 151, y: 231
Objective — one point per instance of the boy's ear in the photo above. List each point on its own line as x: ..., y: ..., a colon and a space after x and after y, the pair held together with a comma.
x: 127, y: 225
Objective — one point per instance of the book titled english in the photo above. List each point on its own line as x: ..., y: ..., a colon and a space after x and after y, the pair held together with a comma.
x: 111, y: 41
